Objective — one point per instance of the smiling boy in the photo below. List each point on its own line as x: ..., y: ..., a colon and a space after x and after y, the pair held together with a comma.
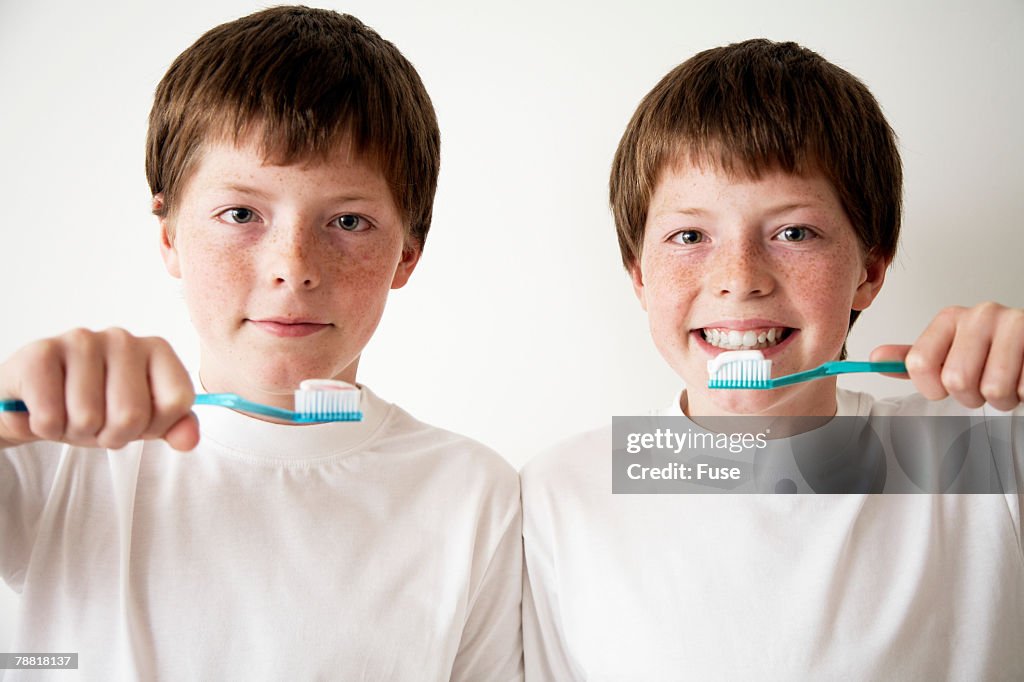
x: 757, y: 195
x: 293, y: 156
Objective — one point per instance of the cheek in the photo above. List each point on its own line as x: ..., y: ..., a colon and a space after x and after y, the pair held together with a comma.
x: 825, y: 287
x: 368, y: 269
x: 669, y: 289
x: 213, y: 276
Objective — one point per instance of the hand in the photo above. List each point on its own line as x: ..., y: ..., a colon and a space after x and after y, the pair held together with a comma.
x: 102, y: 389
x: 974, y: 354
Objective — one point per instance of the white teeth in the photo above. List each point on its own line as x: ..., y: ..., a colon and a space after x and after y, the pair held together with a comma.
x: 734, y: 339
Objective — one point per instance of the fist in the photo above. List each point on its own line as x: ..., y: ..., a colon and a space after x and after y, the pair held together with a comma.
x: 98, y: 389
x: 975, y: 355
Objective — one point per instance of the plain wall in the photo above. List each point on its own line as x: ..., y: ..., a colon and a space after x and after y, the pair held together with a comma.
x: 519, y: 326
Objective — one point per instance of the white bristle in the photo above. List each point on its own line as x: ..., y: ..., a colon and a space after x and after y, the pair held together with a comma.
x: 739, y: 369
x: 327, y: 399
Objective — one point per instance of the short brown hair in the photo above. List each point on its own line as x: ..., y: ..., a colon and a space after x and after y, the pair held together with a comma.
x: 305, y: 82
x: 755, y: 106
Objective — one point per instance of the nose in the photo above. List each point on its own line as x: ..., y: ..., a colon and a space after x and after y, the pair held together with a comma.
x: 294, y: 257
x: 740, y: 269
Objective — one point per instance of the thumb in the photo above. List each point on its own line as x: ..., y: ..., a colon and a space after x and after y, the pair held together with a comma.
x: 184, y: 435
x: 891, y: 353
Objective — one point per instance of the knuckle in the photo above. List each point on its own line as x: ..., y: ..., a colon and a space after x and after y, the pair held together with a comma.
x: 997, y: 392
x: 952, y: 313
x: 178, y: 402
x: 47, y: 424
x: 129, y: 420
x: 916, y: 361
x: 955, y: 380
x: 986, y: 312
x: 157, y: 343
x: 85, y: 422
x: 117, y: 338
x: 40, y: 353
x: 78, y: 336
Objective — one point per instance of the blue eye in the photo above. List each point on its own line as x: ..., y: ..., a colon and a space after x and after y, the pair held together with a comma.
x: 351, y: 223
x: 240, y: 215
x: 795, y: 233
x: 688, y: 237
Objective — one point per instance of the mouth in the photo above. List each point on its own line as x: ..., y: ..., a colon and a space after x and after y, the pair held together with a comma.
x: 752, y: 338
x: 290, y: 328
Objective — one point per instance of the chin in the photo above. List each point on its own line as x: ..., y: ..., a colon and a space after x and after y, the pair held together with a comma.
x: 285, y: 376
x: 750, y: 403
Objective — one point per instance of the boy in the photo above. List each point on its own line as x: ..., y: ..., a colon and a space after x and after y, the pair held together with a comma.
x: 293, y: 157
x: 756, y: 194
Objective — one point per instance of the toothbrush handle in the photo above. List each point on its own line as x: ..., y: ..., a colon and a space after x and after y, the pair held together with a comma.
x: 839, y: 367
x: 851, y: 366
x: 12, y: 406
x: 223, y: 399
x: 235, y: 401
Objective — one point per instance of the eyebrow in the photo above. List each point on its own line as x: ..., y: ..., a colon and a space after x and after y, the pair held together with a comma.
x: 244, y: 189
x: 337, y: 199
x: 774, y: 210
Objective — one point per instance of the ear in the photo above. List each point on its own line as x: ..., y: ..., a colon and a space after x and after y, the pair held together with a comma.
x: 168, y: 251
x: 636, y: 276
x: 874, y: 276
x: 410, y: 257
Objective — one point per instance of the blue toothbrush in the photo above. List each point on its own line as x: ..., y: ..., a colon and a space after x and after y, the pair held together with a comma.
x: 748, y: 369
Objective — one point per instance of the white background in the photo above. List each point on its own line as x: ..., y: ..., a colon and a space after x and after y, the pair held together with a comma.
x: 519, y: 326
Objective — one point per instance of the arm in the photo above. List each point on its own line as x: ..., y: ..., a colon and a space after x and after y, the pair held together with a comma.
x: 491, y: 645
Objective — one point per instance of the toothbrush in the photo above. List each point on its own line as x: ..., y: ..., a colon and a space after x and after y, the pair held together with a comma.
x: 316, y: 400
x: 748, y: 369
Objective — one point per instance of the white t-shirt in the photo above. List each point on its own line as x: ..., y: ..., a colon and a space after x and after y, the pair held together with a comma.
x: 381, y: 550
x: 777, y: 587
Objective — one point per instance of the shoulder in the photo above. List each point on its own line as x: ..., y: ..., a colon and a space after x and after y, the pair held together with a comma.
x: 445, y: 452
x: 582, y: 461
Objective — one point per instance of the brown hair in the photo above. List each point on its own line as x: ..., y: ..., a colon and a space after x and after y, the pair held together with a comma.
x: 305, y: 82
x: 755, y: 106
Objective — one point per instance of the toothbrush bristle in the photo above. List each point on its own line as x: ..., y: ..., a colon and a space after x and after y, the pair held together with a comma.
x: 327, y: 400
x: 740, y: 369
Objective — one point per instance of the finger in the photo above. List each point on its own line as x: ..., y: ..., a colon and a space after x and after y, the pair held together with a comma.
x: 184, y: 434
x: 47, y: 387
x: 965, y: 362
x: 170, y: 386
x: 129, y: 405
x: 1004, y: 368
x: 925, y: 359
x: 84, y: 381
x: 44, y: 394
x: 891, y: 353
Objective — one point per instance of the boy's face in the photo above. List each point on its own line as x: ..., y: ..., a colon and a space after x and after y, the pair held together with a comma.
x: 285, y: 269
x: 772, y: 261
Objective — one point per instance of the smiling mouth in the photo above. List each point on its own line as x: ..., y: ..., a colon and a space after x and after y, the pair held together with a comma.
x: 745, y: 339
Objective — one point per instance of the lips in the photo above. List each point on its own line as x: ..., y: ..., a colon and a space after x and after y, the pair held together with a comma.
x: 290, y: 327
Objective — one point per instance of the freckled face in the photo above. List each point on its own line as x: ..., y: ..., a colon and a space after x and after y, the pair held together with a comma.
x: 285, y: 269
x: 773, y: 262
